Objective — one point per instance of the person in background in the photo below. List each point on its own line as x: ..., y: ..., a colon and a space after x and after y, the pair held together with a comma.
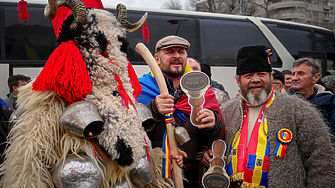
x: 329, y: 81
x: 273, y: 139
x: 220, y: 93
x: 278, y: 81
x: 305, y: 76
x: 14, y: 83
x: 206, y: 68
x: 5, y: 114
x: 171, y: 54
x: 288, y: 80
x: 193, y: 63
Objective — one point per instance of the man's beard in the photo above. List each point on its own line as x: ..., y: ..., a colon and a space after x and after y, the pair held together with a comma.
x: 256, y: 98
x: 174, y: 73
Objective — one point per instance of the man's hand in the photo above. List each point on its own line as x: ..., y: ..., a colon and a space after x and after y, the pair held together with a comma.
x: 164, y: 103
x: 207, y: 158
x: 179, y: 158
x: 207, y: 118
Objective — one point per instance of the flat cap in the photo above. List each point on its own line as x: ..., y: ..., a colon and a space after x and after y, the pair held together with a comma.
x: 170, y: 41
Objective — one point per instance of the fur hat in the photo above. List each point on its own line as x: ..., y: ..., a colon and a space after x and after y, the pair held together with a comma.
x: 253, y: 59
x: 206, y: 68
x: 278, y: 75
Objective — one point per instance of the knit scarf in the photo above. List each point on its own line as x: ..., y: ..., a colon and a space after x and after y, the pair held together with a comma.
x: 250, y: 163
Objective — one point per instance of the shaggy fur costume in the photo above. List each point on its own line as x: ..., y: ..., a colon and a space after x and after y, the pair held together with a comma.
x: 309, y: 159
x: 38, y: 141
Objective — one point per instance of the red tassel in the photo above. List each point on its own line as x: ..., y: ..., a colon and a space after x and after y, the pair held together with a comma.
x: 134, y: 81
x: 126, y: 99
x: 23, y: 11
x: 65, y: 72
x: 145, y: 32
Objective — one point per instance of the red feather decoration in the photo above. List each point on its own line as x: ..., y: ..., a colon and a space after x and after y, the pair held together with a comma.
x: 145, y: 32
x: 134, y: 81
x: 23, y: 11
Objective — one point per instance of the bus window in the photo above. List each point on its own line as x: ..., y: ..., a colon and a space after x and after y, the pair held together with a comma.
x: 32, y: 39
x: 160, y: 26
x: 293, y: 39
x: 221, y: 39
x: 325, y: 42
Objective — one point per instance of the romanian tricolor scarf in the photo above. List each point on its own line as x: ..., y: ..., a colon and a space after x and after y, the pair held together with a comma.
x: 250, y: 163
x: 150, y: 90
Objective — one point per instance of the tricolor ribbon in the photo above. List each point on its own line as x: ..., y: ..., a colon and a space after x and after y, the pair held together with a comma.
x: 284, y: 136
x: 169, y: 119
x: 166, y: 167
x: 268, y: 53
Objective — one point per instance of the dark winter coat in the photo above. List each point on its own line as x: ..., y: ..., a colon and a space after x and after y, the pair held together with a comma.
x: 11, y: 101
x: 309, y: 160
x: 200, y: 138
x: 324, y: 99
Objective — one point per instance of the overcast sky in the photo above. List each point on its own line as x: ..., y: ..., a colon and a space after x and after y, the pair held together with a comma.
x: 155, y: 4
x: 152, y: 4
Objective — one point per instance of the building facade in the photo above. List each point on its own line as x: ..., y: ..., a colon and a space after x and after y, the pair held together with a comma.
x: 314, y: 12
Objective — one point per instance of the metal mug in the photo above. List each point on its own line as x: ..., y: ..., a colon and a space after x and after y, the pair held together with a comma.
x: 82, y: 119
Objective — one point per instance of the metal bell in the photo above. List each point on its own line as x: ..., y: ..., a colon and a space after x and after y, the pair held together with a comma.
x: 82, y: 119
x: 124, y: 184
x: 77, y: 172
x: 144, y: 173
x: 181, y: 135
x: 148, y: 122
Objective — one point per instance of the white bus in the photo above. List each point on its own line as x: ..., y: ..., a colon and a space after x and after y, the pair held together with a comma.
x: 215, y: 38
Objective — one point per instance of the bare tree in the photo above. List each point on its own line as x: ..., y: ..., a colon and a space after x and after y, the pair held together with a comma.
x: 264, y: 6
x: 191, y: 5
x: 248, y: 8
x: 172, y: 4
x: 205, y: 5
x: 241, y: 7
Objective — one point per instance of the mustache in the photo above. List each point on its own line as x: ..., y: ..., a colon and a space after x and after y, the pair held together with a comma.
x: 176, y: 61
x: 254, y: 85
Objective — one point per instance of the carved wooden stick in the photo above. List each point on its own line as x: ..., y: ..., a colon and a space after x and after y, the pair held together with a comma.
x: 146, y: 54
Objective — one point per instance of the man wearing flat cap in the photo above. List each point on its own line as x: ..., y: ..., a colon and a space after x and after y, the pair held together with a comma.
x: 273, y: 139
x: 171, y: 55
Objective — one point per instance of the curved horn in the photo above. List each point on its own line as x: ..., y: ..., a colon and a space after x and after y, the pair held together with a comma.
x: 77, y: 7
x: 121, y: 13
x: 50, y: 10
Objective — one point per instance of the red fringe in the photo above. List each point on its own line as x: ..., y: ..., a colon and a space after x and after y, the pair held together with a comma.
x: 96, y: 151
x: 145, y: 32
x: 23, y: 11
x: 65, y: 72
x: 123, y: 92
x: 134, y: 81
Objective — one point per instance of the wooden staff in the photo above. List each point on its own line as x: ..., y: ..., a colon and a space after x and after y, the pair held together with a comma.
x: 146, y: 54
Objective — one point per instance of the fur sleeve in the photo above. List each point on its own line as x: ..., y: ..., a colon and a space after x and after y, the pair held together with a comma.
x: 33, y: 140
x: 315, y: 147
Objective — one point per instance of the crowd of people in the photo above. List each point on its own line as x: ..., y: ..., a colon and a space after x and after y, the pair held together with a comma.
x: 278, y: 129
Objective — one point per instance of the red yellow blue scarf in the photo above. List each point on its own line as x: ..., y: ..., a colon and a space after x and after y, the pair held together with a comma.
x: 251, y: 163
